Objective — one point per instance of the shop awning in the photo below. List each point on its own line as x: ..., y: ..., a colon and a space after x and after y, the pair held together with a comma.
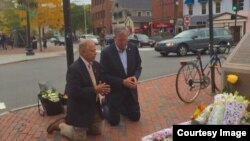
x: 138, y: 30
x: 202, y: 1
x: 189, y: 1
x: 161, y: 24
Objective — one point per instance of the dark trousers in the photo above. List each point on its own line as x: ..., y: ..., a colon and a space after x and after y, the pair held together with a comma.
x: 123, y: 104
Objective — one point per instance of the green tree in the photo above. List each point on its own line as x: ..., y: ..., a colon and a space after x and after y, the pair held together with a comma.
x: 77, y: 18
x: 8, y: 20
x: 80, y: 13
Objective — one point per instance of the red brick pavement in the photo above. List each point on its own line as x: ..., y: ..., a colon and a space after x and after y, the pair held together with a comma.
x: 160, y: 108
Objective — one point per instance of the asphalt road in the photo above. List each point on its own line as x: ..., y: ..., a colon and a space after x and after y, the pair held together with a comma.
x: 19, y: 81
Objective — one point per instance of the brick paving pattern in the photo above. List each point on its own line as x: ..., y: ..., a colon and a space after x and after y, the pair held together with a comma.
x: 160, y: 108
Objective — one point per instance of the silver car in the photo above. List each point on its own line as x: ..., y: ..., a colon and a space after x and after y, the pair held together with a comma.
x: 89, y: 36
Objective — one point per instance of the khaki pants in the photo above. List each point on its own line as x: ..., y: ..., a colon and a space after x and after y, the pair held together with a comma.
x: 80, y: 134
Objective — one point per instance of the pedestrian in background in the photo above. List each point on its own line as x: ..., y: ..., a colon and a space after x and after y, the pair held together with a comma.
x: 44, y: 42
x: 122, y: 69
x: 84, y: 86
x: 102, y: 38
x: 3, y: 41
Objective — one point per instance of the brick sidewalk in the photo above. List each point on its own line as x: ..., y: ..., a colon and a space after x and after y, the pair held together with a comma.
x: 160, y: 108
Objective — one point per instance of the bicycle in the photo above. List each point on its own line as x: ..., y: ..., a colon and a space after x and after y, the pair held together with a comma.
x: 196, y: 77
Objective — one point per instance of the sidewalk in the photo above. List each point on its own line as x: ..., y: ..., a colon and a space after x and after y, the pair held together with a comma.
x: 160, y: 108
x: 16, y: 54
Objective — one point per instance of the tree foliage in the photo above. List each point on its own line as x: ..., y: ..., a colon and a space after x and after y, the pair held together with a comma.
x: 80, y: 13
x: 7, y: 16
x: 77, y: 17
x: 42, y: 13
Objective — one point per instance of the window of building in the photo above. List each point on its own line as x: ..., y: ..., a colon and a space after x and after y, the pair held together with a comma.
x: 139, y: 13
x: 103, y: 14
x: 148, y: 13
x: 117, y: 5
x: 115, y: 15
x: 203, y: 8
x: 120, y: 14
x: 190, y: 9
x: 217, y: 7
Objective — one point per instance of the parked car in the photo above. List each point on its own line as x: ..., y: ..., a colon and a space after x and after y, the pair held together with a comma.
x: 109, y: 39
x: 89, y: 36
x: 57, y: 40
x: 141, y: 40
x: 193, y: 40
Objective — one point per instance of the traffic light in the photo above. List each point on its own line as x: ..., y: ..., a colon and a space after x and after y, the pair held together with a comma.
x: 241, y: 4
x: 235, y: 5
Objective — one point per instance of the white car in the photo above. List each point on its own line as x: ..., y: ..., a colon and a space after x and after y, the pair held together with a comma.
x: 89, y: 36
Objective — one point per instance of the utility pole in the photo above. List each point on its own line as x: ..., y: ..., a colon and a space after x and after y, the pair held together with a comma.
x: 176, y: 3
x: 211, y: 33
x: 235, y: 25
x: 68, y: 32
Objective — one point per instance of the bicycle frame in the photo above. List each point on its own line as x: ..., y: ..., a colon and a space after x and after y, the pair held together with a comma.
x: 211, y: 62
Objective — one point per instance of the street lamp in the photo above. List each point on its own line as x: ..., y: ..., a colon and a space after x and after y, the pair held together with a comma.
x: 29, y: 47
x: 176, y: 3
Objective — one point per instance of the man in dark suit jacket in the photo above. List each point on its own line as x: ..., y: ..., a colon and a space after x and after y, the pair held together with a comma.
x: 122, y: 67
x: 83, y: 88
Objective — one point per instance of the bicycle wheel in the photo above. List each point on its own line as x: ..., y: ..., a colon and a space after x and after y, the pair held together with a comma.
x: 218, y: 73
x: 188, y: 82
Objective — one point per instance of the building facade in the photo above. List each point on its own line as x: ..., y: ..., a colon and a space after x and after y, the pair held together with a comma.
x: 101, y: 15
x: 167, y: 16
x: 197, y: 11
x: 134, y: 14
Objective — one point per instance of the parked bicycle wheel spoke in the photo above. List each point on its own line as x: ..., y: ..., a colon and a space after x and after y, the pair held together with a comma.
x: 188, y: 82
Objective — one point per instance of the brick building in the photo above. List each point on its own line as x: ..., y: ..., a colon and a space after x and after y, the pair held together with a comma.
x: 166, y: 13
x: 101, y: 15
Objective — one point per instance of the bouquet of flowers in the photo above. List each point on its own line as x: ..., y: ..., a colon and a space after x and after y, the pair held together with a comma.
x: 51, y: 95
x: 231, y: 80
x: 164, y: 134
x: 50, y: 100
x: 229, y: 107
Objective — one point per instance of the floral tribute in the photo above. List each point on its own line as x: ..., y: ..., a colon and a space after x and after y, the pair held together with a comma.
x: 163, y: 135
x: 228, y: 108
x: 54, y: 96
x: 51, y: 95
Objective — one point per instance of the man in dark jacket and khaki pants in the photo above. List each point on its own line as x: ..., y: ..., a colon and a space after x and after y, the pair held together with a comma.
x: 84, y: 88
x: 122, y: 68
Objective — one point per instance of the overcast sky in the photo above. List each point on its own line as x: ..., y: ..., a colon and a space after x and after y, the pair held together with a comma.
x: 81, y: 1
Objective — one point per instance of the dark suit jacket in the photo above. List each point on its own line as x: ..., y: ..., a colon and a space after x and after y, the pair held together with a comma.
x: 114, y: 72
x: 81, y: 104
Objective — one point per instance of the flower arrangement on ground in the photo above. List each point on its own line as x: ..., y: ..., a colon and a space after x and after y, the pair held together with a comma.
x: 51, y: 95
x: 231, y: 80
x: 228, y: 108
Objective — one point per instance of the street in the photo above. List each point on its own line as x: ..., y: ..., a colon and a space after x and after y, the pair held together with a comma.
x: 19, y: 85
